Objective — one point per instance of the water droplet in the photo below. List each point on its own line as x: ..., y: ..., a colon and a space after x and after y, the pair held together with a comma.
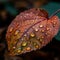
x: 24, y: 44
x: 11, y: 29
x: 47, y: 28
x: 41, y: 40
x: 42, y: 31
x: 19, y: 51
x: 37, y: 46
x: 55, y: 18
x: 32, y: 34
x: 14, y: 47
x: 35, y: 43
x: 16, y: 32
x: 54, y: 24
x: 41, y: 26
x: 28, y: 48
x: 25, y: 35
x: 36, y: 29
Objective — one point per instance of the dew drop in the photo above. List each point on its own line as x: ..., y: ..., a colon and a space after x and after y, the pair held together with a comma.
x: 37, y: 46
x: 24, y: 44
x: 28, y: 48
x: 36, y: 29
x: 48, y: 28
x: 11, y: 29
x: 32, y: 34
x: 16, y: 32
x: 42, y: 31
x: 41, y: 26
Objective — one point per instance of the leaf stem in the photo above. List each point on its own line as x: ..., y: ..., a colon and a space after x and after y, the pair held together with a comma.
x: 55, y: 13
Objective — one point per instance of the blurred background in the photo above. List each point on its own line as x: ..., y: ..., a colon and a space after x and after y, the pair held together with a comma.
x: 9, y: 9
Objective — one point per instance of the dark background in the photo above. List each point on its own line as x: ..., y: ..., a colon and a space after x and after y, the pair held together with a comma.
x: 9, y: 9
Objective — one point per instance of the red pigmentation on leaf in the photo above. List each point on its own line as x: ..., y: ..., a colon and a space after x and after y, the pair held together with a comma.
x: 31, y: 30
